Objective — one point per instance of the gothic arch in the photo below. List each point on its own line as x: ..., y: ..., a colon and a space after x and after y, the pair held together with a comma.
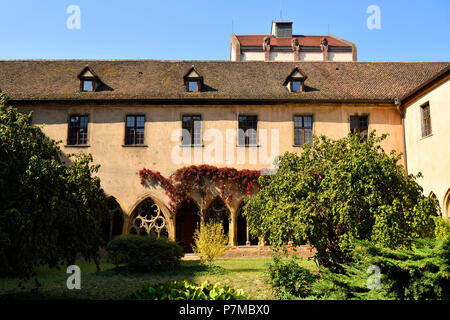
x: 243, y: 236
x: 218, y: 210
x: 150, y: 217
x: 446, y: 204
x: 433, y: 196
x: 114, y: 226
x: 187, y: 220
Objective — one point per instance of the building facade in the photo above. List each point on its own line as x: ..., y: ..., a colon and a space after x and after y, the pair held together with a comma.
x: 282, y: 45
x: 165, y: 115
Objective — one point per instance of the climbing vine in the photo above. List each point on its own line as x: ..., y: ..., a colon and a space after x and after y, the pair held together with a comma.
x: 184, y: 181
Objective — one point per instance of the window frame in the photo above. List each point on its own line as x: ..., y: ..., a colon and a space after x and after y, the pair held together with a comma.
x: 93, y: 81
x: 135, y: 127
x: 191, y: 130
x: 424, y: 118
x: 303, y: 127
x: 301, y: 89
x: 359, y: 129
x: 199, y: 85
x: 247, y: 137
x: 70, y: 130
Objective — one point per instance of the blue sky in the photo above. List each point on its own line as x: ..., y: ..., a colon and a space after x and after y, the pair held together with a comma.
x: 411, y: 30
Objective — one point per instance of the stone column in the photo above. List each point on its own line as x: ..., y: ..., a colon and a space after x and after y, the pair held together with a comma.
x: 232, y: 232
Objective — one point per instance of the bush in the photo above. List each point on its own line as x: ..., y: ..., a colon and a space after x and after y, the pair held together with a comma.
x: 50, y: 211
x: 187, y: 291
x: 288, y: 278
x: 210, y: 242
x: 442, y: 228
x: 144, y: 253
x: 337, y: 192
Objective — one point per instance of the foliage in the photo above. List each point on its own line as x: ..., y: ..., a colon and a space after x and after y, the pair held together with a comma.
x: 187, y: 291
x: 50, y: 211
x: 336, y: 192
x: 442, y: 228
x: 184, y: 181
x: 288, y: 278
x: 422, y: 272
x: 144, y: 253
x: 210, y: 242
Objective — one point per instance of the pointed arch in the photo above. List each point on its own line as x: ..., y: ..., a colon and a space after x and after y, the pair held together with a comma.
x: 446, y: 205
x: 187, y: 220
x: 435, y: 198
x: 116, y: 219
x: 149, y: 217
x: 219, y: 211
x: 243, y: 236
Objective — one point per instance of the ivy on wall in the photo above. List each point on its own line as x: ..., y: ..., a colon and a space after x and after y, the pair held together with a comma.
x: 184, y: 181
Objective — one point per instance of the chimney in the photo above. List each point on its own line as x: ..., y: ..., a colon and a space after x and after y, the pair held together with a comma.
x: 282, y: 29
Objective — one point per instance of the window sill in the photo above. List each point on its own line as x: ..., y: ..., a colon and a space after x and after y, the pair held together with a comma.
x: 249, y: 146
x: 428, y: 136
x: 135, y: 146
x: 191, y: 146
x: 77, y: 146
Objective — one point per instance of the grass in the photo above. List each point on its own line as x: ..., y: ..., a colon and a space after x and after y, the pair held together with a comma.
x: 110, y: 284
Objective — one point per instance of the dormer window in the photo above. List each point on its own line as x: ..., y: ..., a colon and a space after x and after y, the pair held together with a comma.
x: 193, y: 86
x: 295, y: 81
x: 193, y: 81
x: 89, y: 81
x: 87, y: 85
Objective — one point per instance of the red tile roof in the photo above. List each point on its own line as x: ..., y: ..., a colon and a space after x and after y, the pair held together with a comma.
x: 304, y: 40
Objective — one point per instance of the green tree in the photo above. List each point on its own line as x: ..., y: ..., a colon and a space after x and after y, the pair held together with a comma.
x: 337, y: 191
x: 49, y: 211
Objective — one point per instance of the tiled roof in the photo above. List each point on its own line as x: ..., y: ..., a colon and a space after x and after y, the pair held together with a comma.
x: 223, y: 80
x: 303, y: 40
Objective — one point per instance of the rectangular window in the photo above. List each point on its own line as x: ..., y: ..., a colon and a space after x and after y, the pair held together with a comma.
x: 296, y: 86
x: 360, y: 124
x: 87, y: 85
x: 426, y: 120
x: 302, y: 130
x: 78, y: 128
x: 193, y: 86
x: 134, y: 130
x: 247, y: 130
x: 192, y: 130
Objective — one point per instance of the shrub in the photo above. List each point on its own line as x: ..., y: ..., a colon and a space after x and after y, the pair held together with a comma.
x: 144, y: 253
x: 288, y: 278
x: 336, y: 192
x: 50, y: 211
x: 442, y: 228
x: 187, y: 291
x: 210, y: 242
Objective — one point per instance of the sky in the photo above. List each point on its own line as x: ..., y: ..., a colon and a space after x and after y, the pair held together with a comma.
x: 409, y: 30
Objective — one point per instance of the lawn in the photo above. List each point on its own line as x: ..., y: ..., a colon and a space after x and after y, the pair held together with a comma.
x: 109, y: 284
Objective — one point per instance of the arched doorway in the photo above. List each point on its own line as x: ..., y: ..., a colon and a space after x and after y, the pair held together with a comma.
x: 114, y: 224
x: 148, y: 219
x: 187, y: 219
x: 243, y: 236
x: 219, y: 212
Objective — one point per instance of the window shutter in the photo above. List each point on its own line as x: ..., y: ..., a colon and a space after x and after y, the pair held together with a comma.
x: 198, y: 132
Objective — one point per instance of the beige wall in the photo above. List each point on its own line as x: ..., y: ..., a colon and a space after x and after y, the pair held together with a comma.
x: 430, y: 155
x: 120, y: 165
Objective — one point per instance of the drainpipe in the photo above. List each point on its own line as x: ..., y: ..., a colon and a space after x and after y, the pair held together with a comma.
x: 401, y: 111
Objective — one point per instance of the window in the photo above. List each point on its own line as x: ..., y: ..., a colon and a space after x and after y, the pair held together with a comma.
x: 134, y: 130
x: 247, y: 130
x: 192, y: 131
x: 302, y: 130
x: 360, y: 124
x: 87, y: 85
x: 193, y: 86
x: 78, y: 128
x: 426, y: 120
x: 296, y: 86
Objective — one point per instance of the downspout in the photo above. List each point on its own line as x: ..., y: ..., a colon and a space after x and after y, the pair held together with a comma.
x: 401, y: 111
